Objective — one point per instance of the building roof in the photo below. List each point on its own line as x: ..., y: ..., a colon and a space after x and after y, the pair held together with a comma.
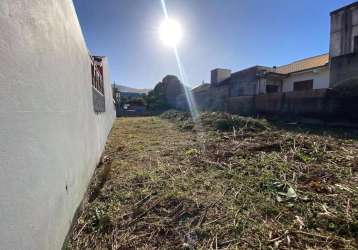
x: 305, y: 64
x: 253, y: 68
x: 349, y: 6
x: 283, y: 71
x: 201, y: 87
x: 237, y: 74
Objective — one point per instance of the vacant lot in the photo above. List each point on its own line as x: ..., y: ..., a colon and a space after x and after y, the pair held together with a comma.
x: 241, y: 184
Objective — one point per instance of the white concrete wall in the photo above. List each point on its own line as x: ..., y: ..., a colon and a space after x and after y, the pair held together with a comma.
x: 50, y: 138
x: 337, y: 37
x: 320, y: 79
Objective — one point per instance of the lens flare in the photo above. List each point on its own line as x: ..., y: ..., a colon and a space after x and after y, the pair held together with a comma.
x: 170, y: 32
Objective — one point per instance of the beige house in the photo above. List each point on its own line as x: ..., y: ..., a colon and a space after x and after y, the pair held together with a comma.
x: 307, y: 74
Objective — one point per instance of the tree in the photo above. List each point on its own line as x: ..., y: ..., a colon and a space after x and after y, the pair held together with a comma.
x: 156, y: 99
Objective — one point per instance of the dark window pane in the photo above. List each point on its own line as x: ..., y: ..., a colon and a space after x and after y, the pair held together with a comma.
x: 303, y: 85
x: 271, y: 88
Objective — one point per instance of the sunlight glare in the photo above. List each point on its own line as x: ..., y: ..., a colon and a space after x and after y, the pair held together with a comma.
x: 170, y: 32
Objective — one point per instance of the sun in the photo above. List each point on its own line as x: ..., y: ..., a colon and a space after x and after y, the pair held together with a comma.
x: 170, y: 32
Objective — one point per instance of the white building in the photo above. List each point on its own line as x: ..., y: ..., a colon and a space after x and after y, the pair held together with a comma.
x: 56, y: 110
x: 307, y: 74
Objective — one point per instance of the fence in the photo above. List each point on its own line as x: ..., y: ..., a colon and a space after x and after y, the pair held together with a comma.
x: 322, y: 104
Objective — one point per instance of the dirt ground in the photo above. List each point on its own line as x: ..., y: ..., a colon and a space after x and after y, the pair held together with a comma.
x: 163, y: 187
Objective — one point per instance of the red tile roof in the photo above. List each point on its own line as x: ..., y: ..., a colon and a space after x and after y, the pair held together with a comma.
x: 308, y: 63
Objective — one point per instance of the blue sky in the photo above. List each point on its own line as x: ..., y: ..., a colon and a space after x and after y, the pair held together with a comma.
x: 230, y: 34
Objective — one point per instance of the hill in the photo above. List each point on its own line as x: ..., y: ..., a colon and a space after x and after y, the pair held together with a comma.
x: 123, y: 88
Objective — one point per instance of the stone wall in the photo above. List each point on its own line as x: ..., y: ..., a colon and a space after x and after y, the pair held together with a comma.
x: 268, y: 103
x: 203, y: 99
x: 211, y: 99
x: 243, y: 105
x: 218, y: 97
x: 324, y: 104
x: 245, y: 82
x: 343, y: 68
x: 319, y: 104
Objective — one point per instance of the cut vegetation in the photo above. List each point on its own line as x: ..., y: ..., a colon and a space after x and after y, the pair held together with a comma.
x: 252, y: 185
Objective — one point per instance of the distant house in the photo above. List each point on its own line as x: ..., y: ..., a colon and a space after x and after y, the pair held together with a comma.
x: 317, y: 72
x: 298, y: 87
x: 124, y: 95
x: 306, y: 74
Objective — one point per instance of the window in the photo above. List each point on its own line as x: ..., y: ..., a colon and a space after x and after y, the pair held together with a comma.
x: 303, y: 85
x: 97, y: 74
x: 355, y: 46
x: 271, y: 88
x: 99, y: 104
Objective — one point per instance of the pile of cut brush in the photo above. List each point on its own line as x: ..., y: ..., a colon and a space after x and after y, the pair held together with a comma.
x: 252, y: 186
x: 217, y: 121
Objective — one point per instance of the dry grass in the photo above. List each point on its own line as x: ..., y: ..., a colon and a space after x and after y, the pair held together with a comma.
x: 250, y: 189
